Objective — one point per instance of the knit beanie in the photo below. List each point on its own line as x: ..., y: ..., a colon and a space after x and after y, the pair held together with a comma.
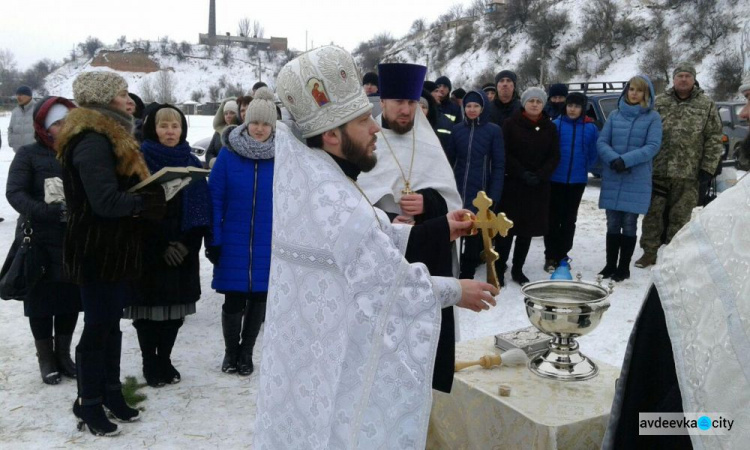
x: 533, y: 92
x: 490, y: 87
x: 558, y: 89
x: 55, y: 113
x: 258, y: 85
x: 370, y: 78
x: 506, y: 74
x: 97, y: 88
x: 577, y: 98
x: 684, y: 66
x: 459, y: 93
x: 429, y: 85
x: 231, y: 105
x: 262, y: 109
x: 444, y: 81
x: 23, y: 90
x: 745, y: 86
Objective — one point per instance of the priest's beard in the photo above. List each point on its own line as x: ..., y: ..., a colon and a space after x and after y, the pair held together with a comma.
x: 397, y: 127
x: 356, y: 153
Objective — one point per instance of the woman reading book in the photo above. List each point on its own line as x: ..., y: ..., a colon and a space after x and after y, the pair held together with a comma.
x: 170, y: 286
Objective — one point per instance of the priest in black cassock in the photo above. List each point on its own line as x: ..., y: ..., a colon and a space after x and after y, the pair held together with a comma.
x: 413, y: 182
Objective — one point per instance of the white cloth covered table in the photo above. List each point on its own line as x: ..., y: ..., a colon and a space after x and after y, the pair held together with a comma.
x: 539, y: 413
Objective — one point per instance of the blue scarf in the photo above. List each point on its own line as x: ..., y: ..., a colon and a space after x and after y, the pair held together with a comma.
x: 196, y: 199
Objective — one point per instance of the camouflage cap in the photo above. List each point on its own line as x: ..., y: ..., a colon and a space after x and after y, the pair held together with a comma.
x: 684, y: 66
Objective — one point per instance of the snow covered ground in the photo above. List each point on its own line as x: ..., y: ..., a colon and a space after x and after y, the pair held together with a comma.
x: 209, y: 409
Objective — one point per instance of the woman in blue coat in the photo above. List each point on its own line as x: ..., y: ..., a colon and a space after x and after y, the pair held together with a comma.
x: 627, y: 145
x: 477, y: 155
x: 578, y: 136
x: 241, y: 184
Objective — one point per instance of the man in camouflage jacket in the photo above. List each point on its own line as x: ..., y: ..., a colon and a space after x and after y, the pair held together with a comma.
x: 691, y: 149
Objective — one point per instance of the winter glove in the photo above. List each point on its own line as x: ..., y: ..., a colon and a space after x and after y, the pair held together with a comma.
x: 63, y: 213
x: 213, y: 253
x: 173, y: 256
x: 154, y: 204
x: 530, y: 178
x: 618, y: 165
x: 704, y: 188
x: 704, y: 177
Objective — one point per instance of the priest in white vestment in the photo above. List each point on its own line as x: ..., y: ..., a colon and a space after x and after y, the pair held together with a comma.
x: 690, y: 347
x: 351, y: 327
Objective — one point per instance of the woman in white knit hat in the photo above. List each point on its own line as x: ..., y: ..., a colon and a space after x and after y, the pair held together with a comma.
x: 532, y: 153
x: 228, y: 114
x: 241, y: 185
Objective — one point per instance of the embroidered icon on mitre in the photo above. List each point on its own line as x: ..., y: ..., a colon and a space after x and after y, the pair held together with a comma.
x: 318, y: 91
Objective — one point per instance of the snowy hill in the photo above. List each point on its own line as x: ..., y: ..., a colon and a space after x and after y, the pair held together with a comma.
x: 187, y: 72
x: 577, y: 40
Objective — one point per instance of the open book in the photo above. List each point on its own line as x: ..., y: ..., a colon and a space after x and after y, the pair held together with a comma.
x: 172, y: 173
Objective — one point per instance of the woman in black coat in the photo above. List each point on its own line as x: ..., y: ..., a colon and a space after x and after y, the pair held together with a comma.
x: 531, y: 156
x: 103, y: 247
x: 170, y: 285
x: 54, y: 303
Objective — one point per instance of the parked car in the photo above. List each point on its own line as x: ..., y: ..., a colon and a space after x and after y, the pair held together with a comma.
x: 199, y: 148
x: 735, y: 130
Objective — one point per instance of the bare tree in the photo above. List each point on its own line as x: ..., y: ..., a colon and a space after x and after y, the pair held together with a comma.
x: 476, y: 8
x: 7, y: 60
x: 90, y: 46
x: 418, y: 26
x: 147, y: 91
x: 244, y: 27
x: 164, y: 88
x: 258, y: 30
x: 657, y: 61
x: 727, y: 76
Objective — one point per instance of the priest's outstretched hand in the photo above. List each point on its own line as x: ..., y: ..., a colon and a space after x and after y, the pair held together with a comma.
x: 458, y: 223
x: 477, y: 295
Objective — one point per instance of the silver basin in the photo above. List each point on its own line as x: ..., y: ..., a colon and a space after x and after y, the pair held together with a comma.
x: 565, y: 310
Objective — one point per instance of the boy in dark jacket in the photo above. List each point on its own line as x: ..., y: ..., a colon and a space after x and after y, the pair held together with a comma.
x: 477, y: 154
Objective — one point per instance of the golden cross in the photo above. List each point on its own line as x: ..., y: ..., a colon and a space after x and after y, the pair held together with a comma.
x: 407, y: 189
x: 489, y: 224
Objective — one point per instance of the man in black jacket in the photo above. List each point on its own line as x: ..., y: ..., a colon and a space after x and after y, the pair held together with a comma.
x: 445, y: 105
x: 507, y: 101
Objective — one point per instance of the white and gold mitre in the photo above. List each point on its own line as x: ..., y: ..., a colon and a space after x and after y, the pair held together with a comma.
x: 322, y: 90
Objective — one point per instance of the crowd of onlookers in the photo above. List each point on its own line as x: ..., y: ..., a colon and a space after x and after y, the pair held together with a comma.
x: 113, y: 252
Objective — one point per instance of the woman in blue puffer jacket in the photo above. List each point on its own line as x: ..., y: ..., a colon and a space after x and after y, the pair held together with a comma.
x: 477, y: 154
x: 627, y: 145
x: 241, y: 183
x: 578, y: 136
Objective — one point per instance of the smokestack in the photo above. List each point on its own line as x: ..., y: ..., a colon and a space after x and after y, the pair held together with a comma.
x: 212, y: 19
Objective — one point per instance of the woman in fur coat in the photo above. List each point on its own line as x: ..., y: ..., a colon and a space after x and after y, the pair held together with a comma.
x: 103, y: 246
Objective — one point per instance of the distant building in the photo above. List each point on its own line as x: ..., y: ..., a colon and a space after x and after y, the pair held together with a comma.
x: 495, y: 6
x: 276, y: 44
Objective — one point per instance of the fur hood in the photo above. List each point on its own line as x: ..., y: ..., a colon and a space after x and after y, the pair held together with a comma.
x: 127, y: 150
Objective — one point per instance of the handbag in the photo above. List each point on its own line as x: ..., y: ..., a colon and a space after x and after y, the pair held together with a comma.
x: 25, y: 265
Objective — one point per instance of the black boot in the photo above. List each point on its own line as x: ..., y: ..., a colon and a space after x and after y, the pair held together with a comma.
x: 88, y: 406
x: 254, y: 312
x: 231, y: 325
x: 45, y: 354
x: 613, y: 249
x: 113, y: 399
x: 519, y: 259
x: 147, y: 340
x: 62, y: 355
x: 167, y: 337
x: 627, y: 247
